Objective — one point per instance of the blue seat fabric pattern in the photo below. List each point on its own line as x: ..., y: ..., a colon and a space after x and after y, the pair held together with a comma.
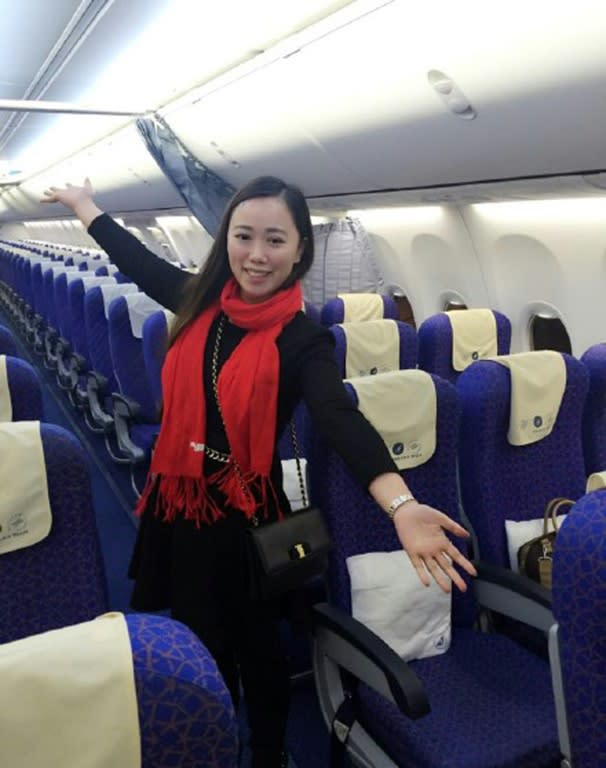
x: 8, y: 345
x: 25, y: 390
x: 500, y: 481
x: 491, y: 700
x: 579, y: 606
x: 60, y: 580
x: 594, y: 417
x: 186, y: 716
x: 435, y: 344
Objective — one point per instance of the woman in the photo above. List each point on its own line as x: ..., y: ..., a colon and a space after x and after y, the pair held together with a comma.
x: 241, y: 356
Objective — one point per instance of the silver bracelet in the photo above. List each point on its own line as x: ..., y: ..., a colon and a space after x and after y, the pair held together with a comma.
x: 398, y: 502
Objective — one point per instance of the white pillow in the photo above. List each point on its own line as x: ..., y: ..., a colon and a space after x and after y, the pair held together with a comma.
x: 389, y: 598
x: 290, y: 482
x: 518, y: 532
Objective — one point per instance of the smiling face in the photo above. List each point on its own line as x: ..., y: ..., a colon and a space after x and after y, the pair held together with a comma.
x: 263, y: 245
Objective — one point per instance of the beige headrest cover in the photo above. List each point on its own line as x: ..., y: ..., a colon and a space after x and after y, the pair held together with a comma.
x: 359, y: 307
x: 25, y: 513
x: 474, y: 336
x: 372, y: 347
x: 6, y: 406
x: 596, y: 481
x: 538, y: 381
x: 402, y: 407
x: 68, y: 698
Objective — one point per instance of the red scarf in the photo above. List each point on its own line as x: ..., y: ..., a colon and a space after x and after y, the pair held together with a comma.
x: 248, y: 393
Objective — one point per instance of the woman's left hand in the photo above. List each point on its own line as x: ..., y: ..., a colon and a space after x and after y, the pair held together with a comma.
x: 420, y: 529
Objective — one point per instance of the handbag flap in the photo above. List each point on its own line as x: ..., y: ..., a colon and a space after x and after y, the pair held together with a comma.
x: 299, y: 535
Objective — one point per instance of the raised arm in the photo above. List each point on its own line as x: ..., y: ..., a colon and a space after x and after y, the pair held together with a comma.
x: 78, y: 199
x: 154, y: 276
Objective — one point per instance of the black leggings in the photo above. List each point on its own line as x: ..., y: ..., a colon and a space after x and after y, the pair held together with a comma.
x: 209, y: 584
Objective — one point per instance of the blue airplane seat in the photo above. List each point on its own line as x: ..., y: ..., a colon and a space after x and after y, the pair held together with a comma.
x: 100, y: 379
x: 24, y: 390
x: 105, y: 269
x: 8, y: 345
x: 155, y: 345
x: 61, y: 579
x: 356, y: 307
x: 136, y: 417
x: 51, y: 332
x: 579, y: 606
x: 594, y: 416
x: 369, y: 340
x: 311, y: 311
x: 504, y: 482
x: 436, y: 342
x: 176, y: 677
x: 148, y: 680
x: 468, y: 707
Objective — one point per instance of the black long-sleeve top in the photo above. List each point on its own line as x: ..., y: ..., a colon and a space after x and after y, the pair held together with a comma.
x: 308, y: 369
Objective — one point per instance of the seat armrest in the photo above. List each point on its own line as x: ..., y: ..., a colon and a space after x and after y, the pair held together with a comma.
x: 96, y: 386
x: 354, y: 647
x: 513, y: 595
x: 126, y: 411
x: 79, y: 363
x: 125, y: 406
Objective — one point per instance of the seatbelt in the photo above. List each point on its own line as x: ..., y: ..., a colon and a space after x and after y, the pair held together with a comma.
x: 342, y: 723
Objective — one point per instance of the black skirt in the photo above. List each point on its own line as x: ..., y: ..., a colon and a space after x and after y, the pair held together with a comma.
x: 179, y: 562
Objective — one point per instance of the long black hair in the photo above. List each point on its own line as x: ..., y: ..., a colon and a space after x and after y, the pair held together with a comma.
x: 203, y: 289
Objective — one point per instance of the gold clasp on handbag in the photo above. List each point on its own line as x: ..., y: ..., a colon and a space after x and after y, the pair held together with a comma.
x: 298, y: 551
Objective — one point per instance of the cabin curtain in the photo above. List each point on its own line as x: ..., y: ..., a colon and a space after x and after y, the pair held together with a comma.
x: 344, y: 262
x: 205, y: 193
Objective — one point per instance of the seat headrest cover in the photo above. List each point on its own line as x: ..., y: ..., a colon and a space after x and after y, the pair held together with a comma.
x: 140, y: 306
x: 68, y: 698
x: 361, y: 306
x: 538, y: 381
x: 25, y: 513
x: 97, y: 280
x: 6, y: 406
x: 372, y: 347
x: 596, y: 481
x: 79, y: 275
x: 110, y: 291
x: 474, y: 336
x: 402, y: 407
x: 61, y: 270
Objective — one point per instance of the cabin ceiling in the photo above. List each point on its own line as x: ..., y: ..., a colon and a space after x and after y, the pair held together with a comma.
x: 347, y: 110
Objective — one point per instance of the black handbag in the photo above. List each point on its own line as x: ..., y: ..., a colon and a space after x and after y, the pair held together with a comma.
x: 282, y: 555
x: 285, y: 554
x: 535, y: 557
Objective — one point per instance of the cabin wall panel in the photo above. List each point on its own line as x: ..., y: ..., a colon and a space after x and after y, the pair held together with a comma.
x: 547, y: 256
x: 427, y: 253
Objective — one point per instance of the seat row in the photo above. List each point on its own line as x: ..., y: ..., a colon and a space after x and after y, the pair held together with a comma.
x: 52, y: 588
x: 470, y: 700
x: 107, y: 341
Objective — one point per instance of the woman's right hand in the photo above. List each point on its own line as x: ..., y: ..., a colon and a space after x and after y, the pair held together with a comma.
x: 78, y: 198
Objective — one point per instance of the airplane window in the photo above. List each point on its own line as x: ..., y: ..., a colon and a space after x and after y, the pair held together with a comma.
x: 405, y: 311
x: 549, y: 333
x: 451, y: 305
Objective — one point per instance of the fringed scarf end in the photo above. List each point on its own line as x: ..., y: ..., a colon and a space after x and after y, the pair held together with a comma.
x: 186, y: 496
x: 247, y: 492
x: 189, y: 497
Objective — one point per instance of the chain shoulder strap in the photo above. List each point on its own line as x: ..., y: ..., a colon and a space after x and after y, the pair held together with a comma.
x: 295, y: 445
